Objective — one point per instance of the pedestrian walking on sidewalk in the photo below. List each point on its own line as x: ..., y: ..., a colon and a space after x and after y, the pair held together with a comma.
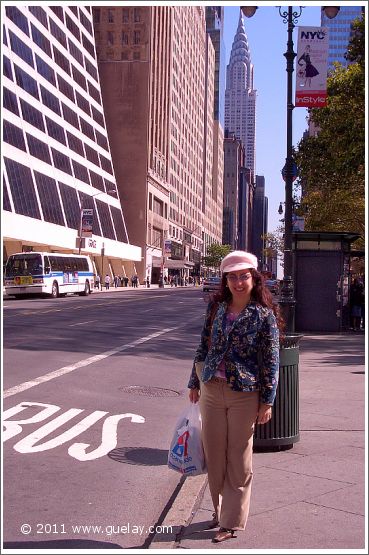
x: 356, y: 303
x: 235, y: 377
x: 107, y: 281
x: 97, y: 282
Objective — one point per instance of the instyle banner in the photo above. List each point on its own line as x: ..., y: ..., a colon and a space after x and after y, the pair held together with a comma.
x: 311, y: 67
x: 86, y: 222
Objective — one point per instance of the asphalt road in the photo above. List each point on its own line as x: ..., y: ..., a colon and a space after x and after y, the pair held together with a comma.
x: 92, y: 389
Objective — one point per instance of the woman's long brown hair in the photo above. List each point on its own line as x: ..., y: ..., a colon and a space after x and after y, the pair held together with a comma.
x: 260, y: 294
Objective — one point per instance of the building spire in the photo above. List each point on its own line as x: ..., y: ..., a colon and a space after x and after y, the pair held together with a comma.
x: 240, y: 47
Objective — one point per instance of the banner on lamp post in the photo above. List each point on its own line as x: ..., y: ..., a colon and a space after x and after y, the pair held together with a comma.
x: 311, y: 67
x: 167, y: 247
x: 87, y: 216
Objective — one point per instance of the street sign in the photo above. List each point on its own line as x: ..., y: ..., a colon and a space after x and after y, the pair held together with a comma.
x: 294, y: 171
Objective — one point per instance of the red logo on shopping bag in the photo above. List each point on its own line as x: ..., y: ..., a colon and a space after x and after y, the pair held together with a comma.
x: 180, y: 448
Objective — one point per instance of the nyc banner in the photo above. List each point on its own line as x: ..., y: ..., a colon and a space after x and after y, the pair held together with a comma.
x: 86, y: 222
x: 311, y: 67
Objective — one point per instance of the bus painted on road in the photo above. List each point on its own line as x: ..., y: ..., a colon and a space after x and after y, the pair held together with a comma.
x: 49, y: 273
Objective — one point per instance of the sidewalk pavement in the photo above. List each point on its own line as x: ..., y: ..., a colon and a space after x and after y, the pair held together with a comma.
x: 312, y: 495
x: 144, y: 288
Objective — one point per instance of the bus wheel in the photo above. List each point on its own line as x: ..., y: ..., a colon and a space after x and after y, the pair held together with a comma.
x: 55, y: 290
x: 86, y: 290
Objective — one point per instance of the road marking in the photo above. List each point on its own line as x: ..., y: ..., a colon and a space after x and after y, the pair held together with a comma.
x: 109, y: 434
x: 80, y: 364
x: 79, y: 307
x: 81, y: 323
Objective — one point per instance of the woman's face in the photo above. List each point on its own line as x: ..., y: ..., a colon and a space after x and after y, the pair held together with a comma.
x: 240, y: 284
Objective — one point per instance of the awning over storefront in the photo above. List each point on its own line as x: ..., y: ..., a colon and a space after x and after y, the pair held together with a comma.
x: 173, y: 264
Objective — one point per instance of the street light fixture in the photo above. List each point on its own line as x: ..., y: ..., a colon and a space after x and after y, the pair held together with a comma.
x: 287, y: 300
x: 249, y: 11
x: 81, y: 214
x: 331, y: 11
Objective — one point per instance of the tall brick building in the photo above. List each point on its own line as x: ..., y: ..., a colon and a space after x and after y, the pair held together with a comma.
x: 156, y: 67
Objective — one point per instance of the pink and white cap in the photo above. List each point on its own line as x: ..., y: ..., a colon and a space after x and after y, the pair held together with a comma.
x: 238, y: 260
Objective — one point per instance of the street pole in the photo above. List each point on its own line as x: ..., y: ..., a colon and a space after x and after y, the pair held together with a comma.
x: 102, y: 262
x: 81, y: 215
x: 287, y: 300
x: 80, y: 231
x: 161, y: 279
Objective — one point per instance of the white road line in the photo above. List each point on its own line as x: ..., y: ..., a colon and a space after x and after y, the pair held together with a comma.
x: 91, y: 360
x: 81, y: 323
x: 82, y: 306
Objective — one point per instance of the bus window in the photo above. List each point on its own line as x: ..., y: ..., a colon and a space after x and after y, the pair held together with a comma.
x: 82, y: 264
x: 22, y: 265
x: 73, y: 264
x: 47, y: 267
x: 67, y: 264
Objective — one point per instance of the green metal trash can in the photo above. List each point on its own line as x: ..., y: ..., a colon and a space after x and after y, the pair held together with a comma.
x: 282, y: 430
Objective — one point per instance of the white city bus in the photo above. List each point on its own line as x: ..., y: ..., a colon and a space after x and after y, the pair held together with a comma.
x: 54, y: 274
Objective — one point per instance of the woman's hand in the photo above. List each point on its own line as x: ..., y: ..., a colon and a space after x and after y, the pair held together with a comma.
x: 194, y: 395
x: 264, y: 413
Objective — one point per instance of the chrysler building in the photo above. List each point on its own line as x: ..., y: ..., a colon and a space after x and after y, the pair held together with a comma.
x: 240, y: 96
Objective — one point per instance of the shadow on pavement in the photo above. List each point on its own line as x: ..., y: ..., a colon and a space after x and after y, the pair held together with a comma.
x: 349, y: 353
x: 199, y: 531
x: 61, y: 544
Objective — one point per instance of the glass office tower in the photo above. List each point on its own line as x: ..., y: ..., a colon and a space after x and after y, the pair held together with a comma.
x: 56, y: 155
x: 340, y: 32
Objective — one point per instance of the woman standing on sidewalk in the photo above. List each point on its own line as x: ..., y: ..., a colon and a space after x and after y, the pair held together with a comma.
x: 237, y: 364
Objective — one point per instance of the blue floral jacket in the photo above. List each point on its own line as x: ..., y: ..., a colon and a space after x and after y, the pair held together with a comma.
x: 250, y: 350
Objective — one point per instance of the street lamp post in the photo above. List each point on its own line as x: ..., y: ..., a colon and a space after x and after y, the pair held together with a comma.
x: 287, y: 299
x: 280, y: 432
x: 81, y: 216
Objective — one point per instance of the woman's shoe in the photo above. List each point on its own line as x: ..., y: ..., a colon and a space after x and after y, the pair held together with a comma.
x: 223, y: 535
x: 214, y: 523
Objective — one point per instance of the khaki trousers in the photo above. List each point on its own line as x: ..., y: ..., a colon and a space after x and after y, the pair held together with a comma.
x: 228, y: 419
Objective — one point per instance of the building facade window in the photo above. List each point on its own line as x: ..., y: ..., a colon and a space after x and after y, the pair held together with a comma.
x: 38, y: 149
x: 10, y: 101
x: 22, y: 189
x: 13, y: 135
x: 125, y: 15
x: 49, y: 198
x: 110, y: 38
x: 20, y: 49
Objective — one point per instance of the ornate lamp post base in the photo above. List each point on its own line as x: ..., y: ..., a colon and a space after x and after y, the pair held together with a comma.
x: 287, y: 303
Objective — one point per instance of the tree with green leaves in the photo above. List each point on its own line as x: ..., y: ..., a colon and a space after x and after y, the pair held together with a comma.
x: 215, y: 254
x: 332, y: 163
x: 274, y: 244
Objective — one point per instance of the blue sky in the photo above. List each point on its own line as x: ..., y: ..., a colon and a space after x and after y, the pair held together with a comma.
x: 267, y: 37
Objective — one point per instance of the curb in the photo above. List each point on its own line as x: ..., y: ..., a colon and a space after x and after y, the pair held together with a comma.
x: 181, y: 512
x: 135, y: 289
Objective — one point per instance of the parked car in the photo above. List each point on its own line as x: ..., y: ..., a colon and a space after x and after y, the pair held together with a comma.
x: 273, y: 286
x: 211, y: 284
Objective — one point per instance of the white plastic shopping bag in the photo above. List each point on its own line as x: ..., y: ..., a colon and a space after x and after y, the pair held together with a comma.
x: 186, y: 453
